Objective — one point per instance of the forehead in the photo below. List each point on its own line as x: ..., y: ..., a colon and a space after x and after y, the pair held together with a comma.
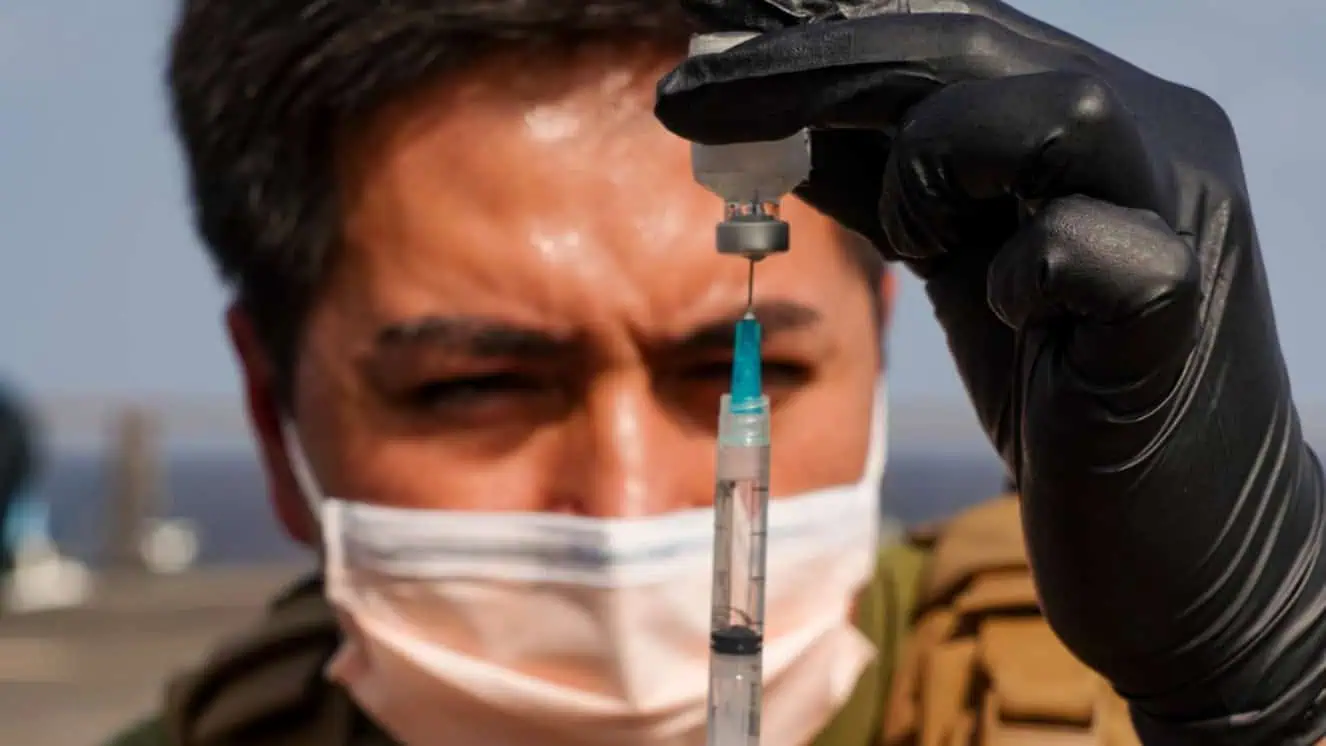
x: 552, y: 195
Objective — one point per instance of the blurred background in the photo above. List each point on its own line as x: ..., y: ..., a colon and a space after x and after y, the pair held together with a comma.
x: 146, y: 533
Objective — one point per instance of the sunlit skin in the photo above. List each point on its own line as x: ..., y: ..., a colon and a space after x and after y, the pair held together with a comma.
x: 529, y: 315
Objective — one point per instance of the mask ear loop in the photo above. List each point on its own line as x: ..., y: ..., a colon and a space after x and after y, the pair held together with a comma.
x: 877, y: 452
x: 888, y: 529
x: 314, y: 498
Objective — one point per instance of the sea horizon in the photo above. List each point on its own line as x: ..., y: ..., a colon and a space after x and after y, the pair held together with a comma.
x: 221, y: 494
x: 939, y: 463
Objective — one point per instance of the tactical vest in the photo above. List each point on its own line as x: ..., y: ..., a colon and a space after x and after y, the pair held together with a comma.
x: 964, y: 660
x: 982, y: 667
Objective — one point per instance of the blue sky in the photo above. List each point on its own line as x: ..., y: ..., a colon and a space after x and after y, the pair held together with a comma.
x: 105, y: 292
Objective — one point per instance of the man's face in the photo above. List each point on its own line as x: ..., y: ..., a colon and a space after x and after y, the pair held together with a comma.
x: 529, y: 314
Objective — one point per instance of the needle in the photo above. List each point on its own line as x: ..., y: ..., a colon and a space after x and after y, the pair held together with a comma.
x: 750, y: 285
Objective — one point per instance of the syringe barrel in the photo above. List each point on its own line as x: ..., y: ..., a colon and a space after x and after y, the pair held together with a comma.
x: 741, y: 503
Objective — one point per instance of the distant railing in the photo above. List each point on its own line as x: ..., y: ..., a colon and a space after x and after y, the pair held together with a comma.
x: 74, y: 420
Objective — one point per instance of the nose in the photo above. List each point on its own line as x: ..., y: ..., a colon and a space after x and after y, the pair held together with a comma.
x: 624, y: 456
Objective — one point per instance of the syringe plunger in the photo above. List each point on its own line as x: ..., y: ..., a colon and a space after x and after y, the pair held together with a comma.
x: 734, y: 701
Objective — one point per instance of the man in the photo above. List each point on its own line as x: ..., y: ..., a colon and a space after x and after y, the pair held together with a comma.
x: 476, y: 298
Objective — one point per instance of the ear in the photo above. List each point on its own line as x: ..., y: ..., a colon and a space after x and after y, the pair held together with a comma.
x: 261, y: 399
x: 888, y: 292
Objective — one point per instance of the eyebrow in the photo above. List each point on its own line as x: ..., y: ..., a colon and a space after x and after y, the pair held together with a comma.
x: 473, y: 336
x: 481, y: 337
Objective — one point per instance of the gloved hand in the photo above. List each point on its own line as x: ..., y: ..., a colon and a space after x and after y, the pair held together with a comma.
x: 1084, y: 233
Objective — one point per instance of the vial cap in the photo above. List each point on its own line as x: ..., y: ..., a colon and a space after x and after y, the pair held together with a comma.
x: 752, y: 236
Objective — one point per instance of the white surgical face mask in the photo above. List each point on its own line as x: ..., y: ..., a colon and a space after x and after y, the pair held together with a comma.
x: 527, y: 628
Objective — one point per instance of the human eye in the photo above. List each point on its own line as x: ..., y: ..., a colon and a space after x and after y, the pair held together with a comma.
x: 476, y: 395
x: 697, y: 386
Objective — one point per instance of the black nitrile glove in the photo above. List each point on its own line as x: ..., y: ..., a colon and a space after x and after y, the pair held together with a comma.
x: 1084, y: 232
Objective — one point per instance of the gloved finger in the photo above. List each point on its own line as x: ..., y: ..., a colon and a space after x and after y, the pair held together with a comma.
x: 1030, y: 137
x: 844, y: 183
x: 864, y: 73
x: 1117, y: 282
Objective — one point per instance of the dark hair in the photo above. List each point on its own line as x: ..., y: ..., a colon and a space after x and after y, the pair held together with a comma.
x: 263, y: 90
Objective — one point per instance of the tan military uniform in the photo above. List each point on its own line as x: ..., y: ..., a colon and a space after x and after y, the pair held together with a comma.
x: 982, y: 667
x: 964, y: 660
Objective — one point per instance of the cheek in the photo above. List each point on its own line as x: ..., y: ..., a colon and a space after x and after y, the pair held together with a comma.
x: 821, y: 436
x: 434, y: 473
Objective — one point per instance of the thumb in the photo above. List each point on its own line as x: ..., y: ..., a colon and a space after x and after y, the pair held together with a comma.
x: 1116, y: 285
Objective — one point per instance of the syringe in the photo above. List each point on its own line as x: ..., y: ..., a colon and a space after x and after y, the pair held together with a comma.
x: 751, y: 179
x: 741, y: 501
